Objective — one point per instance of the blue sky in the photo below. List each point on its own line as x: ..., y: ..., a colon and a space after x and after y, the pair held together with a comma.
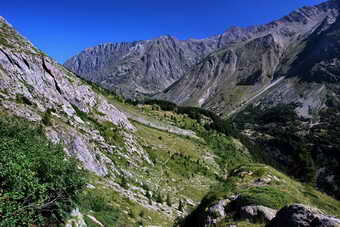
x: 62, y: 28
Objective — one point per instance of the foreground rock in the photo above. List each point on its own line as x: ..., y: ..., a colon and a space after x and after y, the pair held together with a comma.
x: 226, y: 209
x: 257, y: 214
x: 298, y: 215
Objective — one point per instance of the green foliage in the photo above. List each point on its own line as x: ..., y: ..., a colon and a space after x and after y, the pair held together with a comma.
x: 107, y: 129
x: 111, y: 133
x: 168, y: 200
x: 281, y: 113
x: 285, y: 127
x: 227, y: 155
x: 83, y: 115
x: 180, y: 205
x: 38, y: 183
x: 163, y: 104
x: 46, y: 119
x: 158, y: 197
x: 265, y: 196
x: 91, y: 201
x: 23, y: 100
x: 244, y: 181
x: 123, y: 182
x: 218, y: 124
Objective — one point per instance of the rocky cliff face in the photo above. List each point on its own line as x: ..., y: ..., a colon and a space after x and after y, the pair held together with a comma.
x: 142, y: 67
x: 218, y: 73
x: 301, y: 215
x: 305, y: 144
x: 230, y: 77
x: 33, y: 85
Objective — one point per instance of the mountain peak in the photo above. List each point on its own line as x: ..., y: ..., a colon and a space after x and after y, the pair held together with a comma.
x: 3, y: 20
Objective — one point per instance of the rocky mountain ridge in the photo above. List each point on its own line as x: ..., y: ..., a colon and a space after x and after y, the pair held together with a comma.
x: 228, y: 78
x: 141, y: 67
x: 148, y: 67
x: 153, y: 165
x: 29, y: 75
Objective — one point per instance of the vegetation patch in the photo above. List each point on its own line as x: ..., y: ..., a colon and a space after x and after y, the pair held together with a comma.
x: 279, y: 191
x: 266, y: 196
x: 23, y: 100
x: 107, y: 129
x: 38, y: 182
x: 303, y: 147
x: 97, y: 205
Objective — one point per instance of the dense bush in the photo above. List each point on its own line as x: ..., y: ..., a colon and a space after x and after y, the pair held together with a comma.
x: 265, y: 196
x: 38, y: 183
x: 99, y: 204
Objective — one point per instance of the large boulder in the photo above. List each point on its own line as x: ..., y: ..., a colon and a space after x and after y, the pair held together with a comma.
x: 298, y: 215
x: 257, y: 213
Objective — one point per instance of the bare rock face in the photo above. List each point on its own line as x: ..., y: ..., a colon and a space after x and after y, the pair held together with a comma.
x: 32, y: 86
x: 222, y: 209
x: 257, y: 214
x: 216, y: 212
x: 319, y: 61
x: 141, y: 67
x: 218, y: 73
x: 298, y: 215
x: 245, y: 68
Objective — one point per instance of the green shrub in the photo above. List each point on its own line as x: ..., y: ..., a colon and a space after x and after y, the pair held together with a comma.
x: 111, y: 133
x: 23, y: 100
x: 168, y: 200
x: 180, y: 205
x: 99, y: 204
x: 46, y: 119
x: 93, y: 201
x: 38, y: 183
x: 159, y: 198
x: 265, y: 196
x: 123, y: 182
x: 107, y: 129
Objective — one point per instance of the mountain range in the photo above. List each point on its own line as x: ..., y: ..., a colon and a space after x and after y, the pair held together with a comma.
x: 239, y: 129
x: 218, y: 73
x: 290, y: 61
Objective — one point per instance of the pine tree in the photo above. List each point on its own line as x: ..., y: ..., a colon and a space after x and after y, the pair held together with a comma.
x: 180, y: 205
x: 159, y: 198
x: 124, y: 183
x: 168, y: 200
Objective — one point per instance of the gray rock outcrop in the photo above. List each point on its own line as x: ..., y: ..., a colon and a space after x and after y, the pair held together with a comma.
x: 256, y: 214
x: 228, y: 78
x: 34, y: 86
x: 141, y: 67
x: 298, y: 215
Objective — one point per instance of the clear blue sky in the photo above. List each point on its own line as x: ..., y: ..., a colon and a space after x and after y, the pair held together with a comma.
x: 62, y: 28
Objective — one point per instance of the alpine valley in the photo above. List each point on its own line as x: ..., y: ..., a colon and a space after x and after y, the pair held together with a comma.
x: 239, y: 129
